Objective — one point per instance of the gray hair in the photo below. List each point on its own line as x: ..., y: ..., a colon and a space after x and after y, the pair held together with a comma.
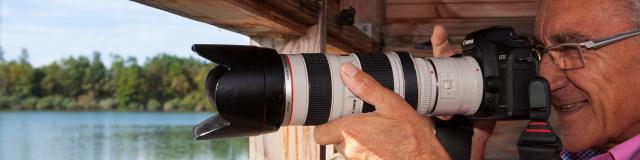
x: 634, y: 8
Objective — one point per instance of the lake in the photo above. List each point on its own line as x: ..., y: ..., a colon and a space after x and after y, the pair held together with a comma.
x: 110, y: 135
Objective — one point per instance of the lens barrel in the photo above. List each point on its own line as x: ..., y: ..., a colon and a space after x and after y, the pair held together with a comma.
x: 255, y: 90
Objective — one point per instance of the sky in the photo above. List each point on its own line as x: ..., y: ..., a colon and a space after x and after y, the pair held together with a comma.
x: 54, y: 29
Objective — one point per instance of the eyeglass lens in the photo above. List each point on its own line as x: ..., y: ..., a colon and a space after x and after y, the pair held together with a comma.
x: 567, y: 57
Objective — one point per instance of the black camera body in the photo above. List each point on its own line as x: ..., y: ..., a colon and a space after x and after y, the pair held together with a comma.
x: 509, y: 66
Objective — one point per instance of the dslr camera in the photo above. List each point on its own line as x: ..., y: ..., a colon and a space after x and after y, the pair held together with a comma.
x: 256, y: 90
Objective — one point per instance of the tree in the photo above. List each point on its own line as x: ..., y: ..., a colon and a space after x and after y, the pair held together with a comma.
x: 128, y: 81
x: 51, y: 81
x: 4, y: 82
x: 164, y: 81
x: 72, y: 77
x: 1, y: 55
x: 20, y: 78
x: 97, y: 75
x: 24, y: 56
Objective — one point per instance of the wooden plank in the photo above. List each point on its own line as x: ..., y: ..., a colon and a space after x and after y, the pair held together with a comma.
x: 455, y: 26
x: 415, y: 11
x: 292, y: 142
x: 230, y: 15
x: 409, y: 1
x: 277, y: 18
x: 454, y: 1
x: 430, y: 10
x: 486, y: 1
x: 488, y: 10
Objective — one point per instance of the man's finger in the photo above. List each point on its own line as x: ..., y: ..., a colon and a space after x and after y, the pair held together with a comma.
x: 445, y: 118
x: 368, y: 89
x: 331, y: 132
x: 440, y: 42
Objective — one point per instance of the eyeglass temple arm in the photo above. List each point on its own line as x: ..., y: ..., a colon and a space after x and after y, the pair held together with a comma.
x: 611, y: 39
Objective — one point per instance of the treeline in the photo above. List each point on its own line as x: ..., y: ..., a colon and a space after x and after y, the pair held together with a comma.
x: 163, y: 83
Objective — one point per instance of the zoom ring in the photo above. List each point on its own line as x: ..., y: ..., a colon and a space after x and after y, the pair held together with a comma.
x: 378, y: 66
x: 410, y: 79
x: 319, y: 89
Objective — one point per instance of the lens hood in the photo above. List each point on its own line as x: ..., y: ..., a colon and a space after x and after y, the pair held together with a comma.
x: 246, y: 88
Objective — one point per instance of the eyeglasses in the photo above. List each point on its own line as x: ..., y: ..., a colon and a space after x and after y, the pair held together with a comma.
x: 568, y: 56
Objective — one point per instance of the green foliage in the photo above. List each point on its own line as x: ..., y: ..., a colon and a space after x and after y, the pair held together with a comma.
x: 45, y: 103
x: 17, y: 79
x: 68, y: 104
x: 7, y: 102
x: 1, y: 54
x: 107, y: 104
x: 163, y: 83
x: 153, y: 105
x: 29, y: 103
x: 170, y: 105
x: 87, y: 101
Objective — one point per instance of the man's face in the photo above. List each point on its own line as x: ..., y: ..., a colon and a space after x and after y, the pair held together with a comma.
x: 596, y: 105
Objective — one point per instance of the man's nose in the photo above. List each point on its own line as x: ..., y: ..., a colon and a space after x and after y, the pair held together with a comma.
x: 550, y: 71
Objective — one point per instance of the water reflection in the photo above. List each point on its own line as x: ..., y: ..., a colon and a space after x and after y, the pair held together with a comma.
x: 96, y: 135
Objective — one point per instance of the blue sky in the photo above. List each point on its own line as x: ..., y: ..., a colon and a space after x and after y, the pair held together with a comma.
x: 55, y: 29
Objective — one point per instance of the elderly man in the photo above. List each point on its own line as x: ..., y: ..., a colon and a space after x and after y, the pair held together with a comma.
x: 595, y: 90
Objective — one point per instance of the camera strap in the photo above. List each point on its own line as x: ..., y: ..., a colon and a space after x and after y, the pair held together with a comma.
x: 538, y: 140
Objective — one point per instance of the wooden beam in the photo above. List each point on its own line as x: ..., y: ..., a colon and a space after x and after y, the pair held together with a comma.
x: 455, y: 26
x: 454, y: 1
x: 276, y: 18
x: 237, y: 16
x: 428, y: 10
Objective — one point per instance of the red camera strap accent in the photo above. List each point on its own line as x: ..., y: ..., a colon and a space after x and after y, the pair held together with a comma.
x: 537, y: 130
x: 537, y: 123
x: 539, y: 141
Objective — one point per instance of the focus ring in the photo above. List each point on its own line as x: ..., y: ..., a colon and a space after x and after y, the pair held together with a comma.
x: 410, y: 79
x: 378, y: 66
x: 319, y: 89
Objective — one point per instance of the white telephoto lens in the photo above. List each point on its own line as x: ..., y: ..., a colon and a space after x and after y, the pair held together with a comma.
x: 427, y: 86
x: 459, y: 86
x: 316, y: 94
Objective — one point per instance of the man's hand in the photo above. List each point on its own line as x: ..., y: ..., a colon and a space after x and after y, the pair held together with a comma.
x: 393, y: 131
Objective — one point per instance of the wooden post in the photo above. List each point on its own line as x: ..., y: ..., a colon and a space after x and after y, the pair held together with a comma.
x: 292, y: 142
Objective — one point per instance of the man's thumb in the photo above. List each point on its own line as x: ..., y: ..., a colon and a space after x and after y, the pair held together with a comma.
x: 440, y: 42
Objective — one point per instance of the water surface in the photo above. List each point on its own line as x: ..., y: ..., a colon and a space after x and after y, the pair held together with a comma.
x: 109, y: 135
